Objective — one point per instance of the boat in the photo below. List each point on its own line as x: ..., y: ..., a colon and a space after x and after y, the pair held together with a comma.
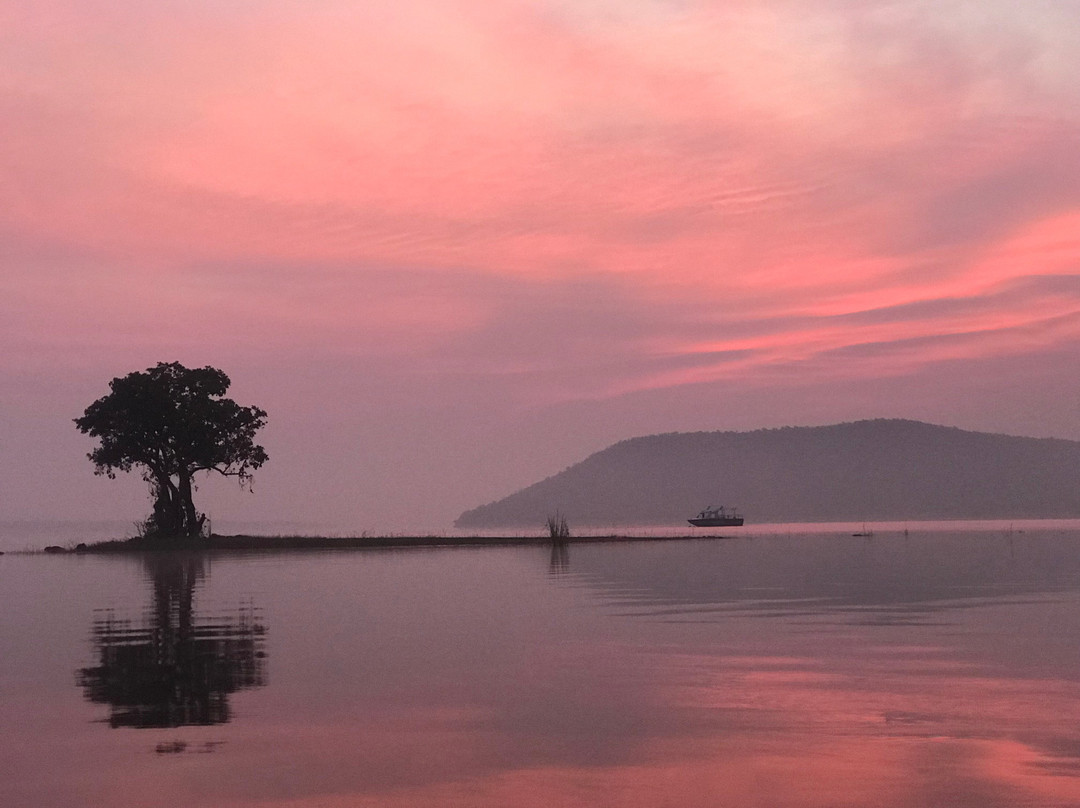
x: 864, y: 533
x: 717, y: 517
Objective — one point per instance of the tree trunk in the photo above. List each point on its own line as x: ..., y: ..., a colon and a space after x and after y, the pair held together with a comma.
x: 168, y: 519
x: 191, y: 520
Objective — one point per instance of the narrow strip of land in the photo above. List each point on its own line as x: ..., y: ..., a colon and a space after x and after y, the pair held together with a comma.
x: 246, y: 543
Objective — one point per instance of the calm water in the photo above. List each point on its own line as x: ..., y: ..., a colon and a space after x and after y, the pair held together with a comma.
x: 795, y: 669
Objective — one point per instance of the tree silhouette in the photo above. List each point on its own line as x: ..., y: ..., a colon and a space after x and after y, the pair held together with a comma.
x: 172, y: 422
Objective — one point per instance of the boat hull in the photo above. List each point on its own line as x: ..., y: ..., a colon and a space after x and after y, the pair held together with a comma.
x: 727, y: 521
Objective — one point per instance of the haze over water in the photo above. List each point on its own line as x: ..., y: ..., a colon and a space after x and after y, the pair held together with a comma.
x: 791, y: 669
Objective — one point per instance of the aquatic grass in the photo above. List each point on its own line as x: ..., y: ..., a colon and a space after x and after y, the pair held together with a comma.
x: 557, y: 526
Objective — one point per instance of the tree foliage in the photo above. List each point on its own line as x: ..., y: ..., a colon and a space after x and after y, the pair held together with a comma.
x: 171, y: 422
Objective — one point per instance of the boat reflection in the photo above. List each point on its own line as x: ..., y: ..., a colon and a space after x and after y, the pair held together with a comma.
x: 172, y: 669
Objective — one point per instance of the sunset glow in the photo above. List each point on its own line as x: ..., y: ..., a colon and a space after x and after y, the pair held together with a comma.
x: 475, y: 229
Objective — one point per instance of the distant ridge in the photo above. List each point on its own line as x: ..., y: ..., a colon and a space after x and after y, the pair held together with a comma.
x: 865, y: 470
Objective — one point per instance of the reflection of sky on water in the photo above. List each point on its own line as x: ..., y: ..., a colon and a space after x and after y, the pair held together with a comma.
x: 829, y: 572
x: 797, y: 671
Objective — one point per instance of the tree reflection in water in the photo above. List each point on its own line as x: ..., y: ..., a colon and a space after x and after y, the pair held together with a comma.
x: 171, y: 669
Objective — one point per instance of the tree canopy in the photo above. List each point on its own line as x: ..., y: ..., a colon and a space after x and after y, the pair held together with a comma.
x: 171, y: 422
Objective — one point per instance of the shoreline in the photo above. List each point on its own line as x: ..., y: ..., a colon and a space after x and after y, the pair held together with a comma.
x: 259, y: 542
x: 252, y: 543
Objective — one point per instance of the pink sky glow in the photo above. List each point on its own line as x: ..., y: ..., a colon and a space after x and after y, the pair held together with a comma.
x: 453, y: 246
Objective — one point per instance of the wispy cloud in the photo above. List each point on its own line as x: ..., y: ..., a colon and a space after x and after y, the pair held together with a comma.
x: 565, y: 199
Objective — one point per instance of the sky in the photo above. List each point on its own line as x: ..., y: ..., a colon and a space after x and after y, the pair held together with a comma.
x: 454, y: 246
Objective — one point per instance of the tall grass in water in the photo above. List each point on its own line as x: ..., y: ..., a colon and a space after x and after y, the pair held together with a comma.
x: 557, y: 526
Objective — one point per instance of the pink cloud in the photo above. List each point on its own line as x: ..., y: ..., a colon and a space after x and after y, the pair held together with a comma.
x: 564, y: 200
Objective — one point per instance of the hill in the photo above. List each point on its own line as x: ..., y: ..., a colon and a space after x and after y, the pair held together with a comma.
x: 862, y: 471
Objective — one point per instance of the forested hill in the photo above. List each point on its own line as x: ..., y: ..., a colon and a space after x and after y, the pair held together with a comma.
x: 862, y: 471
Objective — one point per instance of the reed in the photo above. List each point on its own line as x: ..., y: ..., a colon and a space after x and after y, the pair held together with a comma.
x: 557, y: 526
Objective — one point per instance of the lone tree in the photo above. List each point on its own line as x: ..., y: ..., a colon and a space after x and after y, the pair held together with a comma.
x: 172, y: 422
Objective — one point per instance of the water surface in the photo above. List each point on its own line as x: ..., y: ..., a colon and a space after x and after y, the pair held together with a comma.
x: 792, y: 669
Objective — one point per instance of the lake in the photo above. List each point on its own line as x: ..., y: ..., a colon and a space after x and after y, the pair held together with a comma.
x: 939, y: 667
